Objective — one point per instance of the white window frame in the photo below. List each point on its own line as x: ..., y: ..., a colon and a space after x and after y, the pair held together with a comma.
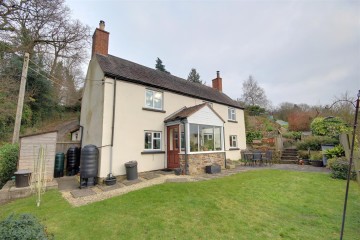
x: 152, y: 140
x: 233, y: 138
x: 153, y: 99
x: 232, y: 114
x: 199, y: 140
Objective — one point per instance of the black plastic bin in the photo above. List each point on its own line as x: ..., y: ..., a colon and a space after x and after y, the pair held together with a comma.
x: 22, y: 178
x: 59, y: 165
x: 131, y: 170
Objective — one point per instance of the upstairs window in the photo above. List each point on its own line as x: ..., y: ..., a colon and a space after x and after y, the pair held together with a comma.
x: 232, y: 114
x: 154, y: 99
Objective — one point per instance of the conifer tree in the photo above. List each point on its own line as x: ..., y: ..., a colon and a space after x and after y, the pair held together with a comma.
x: 160, y: 66
x: 194, y: 76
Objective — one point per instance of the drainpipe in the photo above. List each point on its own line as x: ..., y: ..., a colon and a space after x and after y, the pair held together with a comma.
x: 81, y: 136
x: 186, y: 155
x: 224, y: 145
x: 112, y: 132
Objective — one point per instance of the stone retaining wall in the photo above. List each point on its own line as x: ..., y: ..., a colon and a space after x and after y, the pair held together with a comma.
x: 198, y: 162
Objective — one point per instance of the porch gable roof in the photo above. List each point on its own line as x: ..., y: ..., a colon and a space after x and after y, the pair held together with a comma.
x: 186, y: 112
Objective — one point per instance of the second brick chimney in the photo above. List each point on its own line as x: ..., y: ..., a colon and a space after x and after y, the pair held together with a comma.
x: 217, y: 82
x: 100, y: 42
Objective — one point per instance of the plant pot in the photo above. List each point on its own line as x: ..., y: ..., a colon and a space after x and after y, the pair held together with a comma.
x: 306, y: 161
x: 110, y: 181
x: 213, y: 169
x: 317, y: 163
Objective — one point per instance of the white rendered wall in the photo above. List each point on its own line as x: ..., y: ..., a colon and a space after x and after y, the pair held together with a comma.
x: 131, y: 121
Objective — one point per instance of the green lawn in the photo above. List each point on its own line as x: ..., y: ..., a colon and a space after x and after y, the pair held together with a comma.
x: 264, y: 204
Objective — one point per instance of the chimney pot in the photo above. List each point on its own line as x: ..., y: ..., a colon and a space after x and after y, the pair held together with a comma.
x: 102, y: 25
x: 217, y: 74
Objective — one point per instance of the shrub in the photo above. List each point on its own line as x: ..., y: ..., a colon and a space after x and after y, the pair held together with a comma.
x: 314, y: 142
x: 251, y: 135
x: 9, y: 154
x: 255, y: 110
x: 332, y: 126
x: 24, y: 226
x: 339, y: 169
x: 299, y: 121
x: 292, y: 135
x: 302, y: 154
x: 337, y: 151
x: 316, y: 156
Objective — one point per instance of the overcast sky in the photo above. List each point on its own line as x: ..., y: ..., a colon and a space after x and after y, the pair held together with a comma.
x: 298, y: 51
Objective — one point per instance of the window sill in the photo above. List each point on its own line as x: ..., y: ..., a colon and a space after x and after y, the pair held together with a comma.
x: 205, y: 152
x: 233, y: 121
x: 233, y: 149
x: 153, y: 110
x: 153, y: 152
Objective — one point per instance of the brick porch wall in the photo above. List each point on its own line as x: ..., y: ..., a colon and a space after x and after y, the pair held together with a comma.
x: 198, y: 162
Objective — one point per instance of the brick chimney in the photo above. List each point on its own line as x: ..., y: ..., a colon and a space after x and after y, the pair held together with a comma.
x: 217, y: 82
x: 100, y: 40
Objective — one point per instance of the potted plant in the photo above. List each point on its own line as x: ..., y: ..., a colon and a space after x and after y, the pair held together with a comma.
x: 316, y: 159
x: 304, y: 157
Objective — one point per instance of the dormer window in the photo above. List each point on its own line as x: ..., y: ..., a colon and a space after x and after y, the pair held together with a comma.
x: 231, y: 114
x: 153, y: 99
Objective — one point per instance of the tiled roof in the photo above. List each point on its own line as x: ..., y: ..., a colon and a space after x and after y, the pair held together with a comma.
x: 132, y: 72
x: 186, y: 112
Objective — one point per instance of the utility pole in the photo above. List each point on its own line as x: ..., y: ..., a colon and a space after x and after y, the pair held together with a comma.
x: 21, y: 99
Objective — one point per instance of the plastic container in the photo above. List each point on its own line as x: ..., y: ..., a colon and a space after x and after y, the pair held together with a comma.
x: 59, y: 165
x: 22, y: 178
x: 131, y: 170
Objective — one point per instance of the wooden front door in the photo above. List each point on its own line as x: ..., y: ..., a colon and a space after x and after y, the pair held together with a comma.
x: 173, y: 147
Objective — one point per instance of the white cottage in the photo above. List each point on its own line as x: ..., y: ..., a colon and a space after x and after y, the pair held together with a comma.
x: 132, y: 112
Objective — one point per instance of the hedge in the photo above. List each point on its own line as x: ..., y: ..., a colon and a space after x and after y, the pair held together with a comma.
x: 9, y: 154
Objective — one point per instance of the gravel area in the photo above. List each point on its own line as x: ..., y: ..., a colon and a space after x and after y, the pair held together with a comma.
x: 102, y: 192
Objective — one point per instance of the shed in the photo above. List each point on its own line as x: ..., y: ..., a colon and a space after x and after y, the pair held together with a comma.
x: 29, y: 152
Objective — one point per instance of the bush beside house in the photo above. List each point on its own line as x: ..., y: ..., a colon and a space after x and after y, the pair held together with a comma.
x: 24, y: 226
x: 9, y: 155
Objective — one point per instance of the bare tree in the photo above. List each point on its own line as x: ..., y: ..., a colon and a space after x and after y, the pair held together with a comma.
x: 45, y: 29
x: 253, y: 94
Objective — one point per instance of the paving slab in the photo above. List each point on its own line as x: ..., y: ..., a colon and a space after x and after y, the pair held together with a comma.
x: 149, y: 176
x: 165, y: 172
x: 82, y: 193
x: 68, y: 183
x: 131, y: 182
x: 105, y: 188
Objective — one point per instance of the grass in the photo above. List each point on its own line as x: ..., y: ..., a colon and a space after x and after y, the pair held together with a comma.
x: 264, y: 204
